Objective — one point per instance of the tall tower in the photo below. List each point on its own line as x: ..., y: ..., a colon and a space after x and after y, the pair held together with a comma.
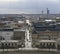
x: 42, y: 13
x: 28, y: 38
x: 47, y: 13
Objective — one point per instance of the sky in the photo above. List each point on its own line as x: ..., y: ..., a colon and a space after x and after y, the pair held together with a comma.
x: 29, y: 6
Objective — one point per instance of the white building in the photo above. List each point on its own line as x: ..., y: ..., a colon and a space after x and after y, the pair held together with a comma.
x: 9, y: 44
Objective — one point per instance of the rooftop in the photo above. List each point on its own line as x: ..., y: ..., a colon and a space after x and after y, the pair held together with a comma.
x: 9, y: 41
x: 47, y: 41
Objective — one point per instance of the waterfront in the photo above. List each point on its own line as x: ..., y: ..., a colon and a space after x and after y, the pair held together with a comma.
x: 31, y: 52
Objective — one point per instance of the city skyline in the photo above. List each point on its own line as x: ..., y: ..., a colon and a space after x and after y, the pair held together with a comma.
x: 29, y: 6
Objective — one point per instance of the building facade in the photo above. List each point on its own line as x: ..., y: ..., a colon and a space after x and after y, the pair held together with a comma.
x: 45, y: 32
x: 7, y: 44
x: 6, y: 34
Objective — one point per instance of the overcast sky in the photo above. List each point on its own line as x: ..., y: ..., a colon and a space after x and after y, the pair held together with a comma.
x: 29, y: 6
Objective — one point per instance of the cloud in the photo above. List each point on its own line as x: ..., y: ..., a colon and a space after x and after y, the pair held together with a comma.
x: 8, y: 0
x: 54, y: 0
x: 29, y: 6
x: 13, y: 11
